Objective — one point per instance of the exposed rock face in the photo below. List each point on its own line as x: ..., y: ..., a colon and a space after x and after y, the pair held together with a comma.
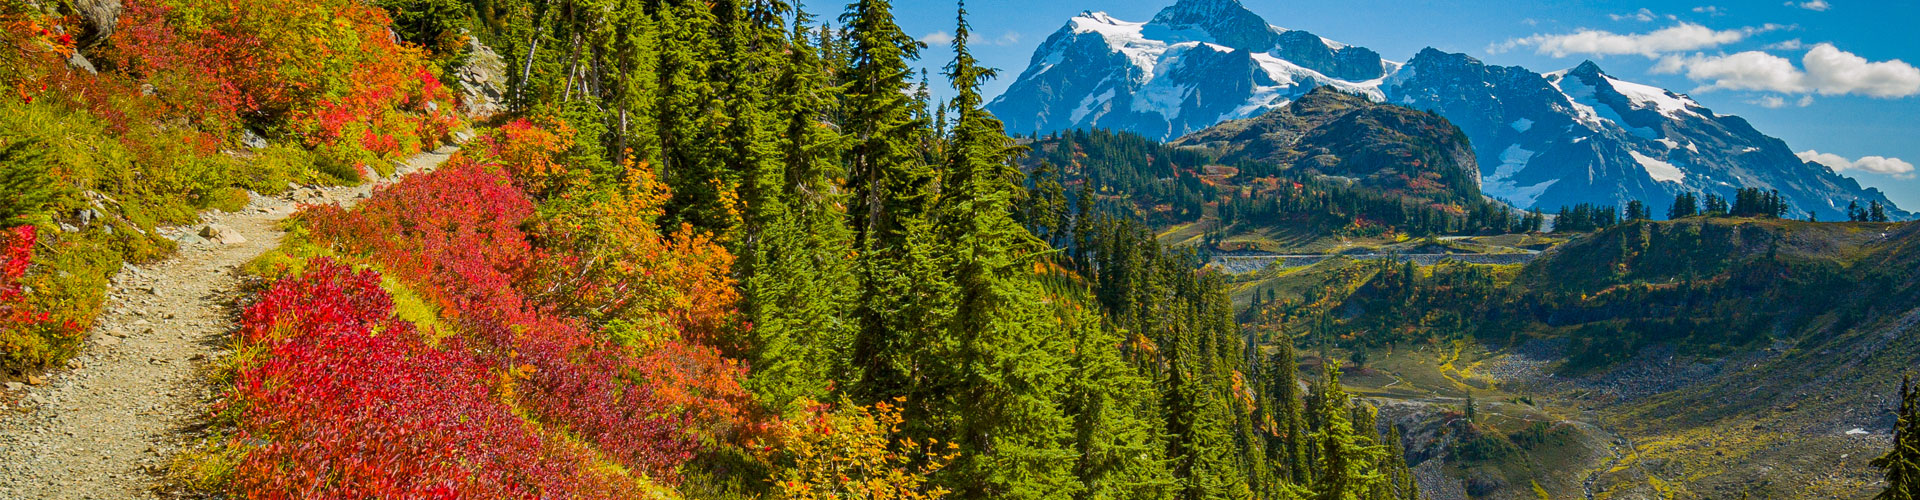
x: 482, y: 81
x: 1541, y: 140
x: 1582, y: 136
x: 100, y: 16
x: 1386, y: 147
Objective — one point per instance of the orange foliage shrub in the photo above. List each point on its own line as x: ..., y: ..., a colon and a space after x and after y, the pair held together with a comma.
x: 853, y: 452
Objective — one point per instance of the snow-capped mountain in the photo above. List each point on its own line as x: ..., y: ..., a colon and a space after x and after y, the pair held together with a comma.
x: 1197, y: 63
x: 1542, y: 140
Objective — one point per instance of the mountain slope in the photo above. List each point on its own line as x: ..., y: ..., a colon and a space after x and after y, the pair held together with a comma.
x: 1543, y: 140
x: 1390, y: 148
x: 1582, y: 136
x: 1732, y: 356
x: 1195, y: 64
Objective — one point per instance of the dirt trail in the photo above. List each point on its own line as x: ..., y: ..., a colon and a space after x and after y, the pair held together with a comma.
x: 105, y: 428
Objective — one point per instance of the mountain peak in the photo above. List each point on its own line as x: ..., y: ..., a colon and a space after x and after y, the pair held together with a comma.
x: 1587, y: 68
x: 1230, y: 23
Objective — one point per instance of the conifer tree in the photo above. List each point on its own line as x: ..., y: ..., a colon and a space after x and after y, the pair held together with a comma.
x: 890, y: 187
x: 1637, y: 210
x: 802, y: 295
x: 884, y: 177
x: 1684, y: 205
x: 1347, y: 461
x: 1011, y: 430
x: 1120, y: 455
x: 1902, y: 463
x: 1284, y: 390
x: 690, y: 117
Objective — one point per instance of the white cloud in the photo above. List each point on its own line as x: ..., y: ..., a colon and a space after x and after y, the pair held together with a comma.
x: 1709, y: 10
x: 1895, y: 167
x: 937, y: 38
x: 1832, y: 71
x: 1642, y: 15
x: 1793, y: 44
x: 1827, y: 71
x: 1776, y: 102
x: 1680, y: 37
x: 1813, y: 5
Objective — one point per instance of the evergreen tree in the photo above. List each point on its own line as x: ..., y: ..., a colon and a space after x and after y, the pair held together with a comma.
x: 1876, y: 212
x: 1684, y: 205
x: 1854, y: 213
x: 1347, y: 461
x: 1902, y: 463
x: 803, y: 291
x: 886, y: 175
x: 690, y: 118
x: 889, y: 183
x: 1636, y: 210
x: 1289, y: 444
x: 1714, y: 206
x: 1012, y: 432
x: 1114, y: 433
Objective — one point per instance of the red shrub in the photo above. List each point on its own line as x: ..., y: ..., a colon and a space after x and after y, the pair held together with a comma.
x: 347, y: 402
x: 455, y: 233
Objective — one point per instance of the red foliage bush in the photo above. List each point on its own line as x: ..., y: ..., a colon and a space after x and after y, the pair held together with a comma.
x: 17, y: 317
x: 329, y: 68
x: 349, y: 403
x: 456, y: 233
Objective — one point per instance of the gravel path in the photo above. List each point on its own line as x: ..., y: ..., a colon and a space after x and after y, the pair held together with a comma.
x: 107, y: 427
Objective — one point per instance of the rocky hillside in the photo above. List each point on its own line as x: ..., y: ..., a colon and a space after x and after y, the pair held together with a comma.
x: 1542, y: 140
x: 1327, y: 132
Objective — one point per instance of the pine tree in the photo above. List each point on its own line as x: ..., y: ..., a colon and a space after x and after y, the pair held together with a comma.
x: 1876, y: 212
x: 1114, y: 432
x: 1902, y: 463
x: 802, y: 294
x: 1347, y: 462
x: 1684, y: 205
x: 690, y: 119
x: 1006, y: 389
x: 889, y: 183
x: 1283, y: 389
x: 1636, y: 210
x: 886, y: 176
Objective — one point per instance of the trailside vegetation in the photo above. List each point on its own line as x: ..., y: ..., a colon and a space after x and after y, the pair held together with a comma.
x: 105, y: 138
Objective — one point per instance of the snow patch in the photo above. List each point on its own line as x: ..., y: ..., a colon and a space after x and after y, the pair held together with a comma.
x: 1521, y: 125
x: 1644, y: 96
x: 1086, y: 105
x: 1856, y: 431
x: 1500, y: 183
x: 1657, y: 169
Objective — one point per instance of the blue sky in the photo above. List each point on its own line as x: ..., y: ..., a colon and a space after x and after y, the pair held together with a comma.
x: 1835, y: 77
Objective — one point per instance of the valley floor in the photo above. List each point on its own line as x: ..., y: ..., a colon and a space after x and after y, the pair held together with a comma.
x: 108, y: 426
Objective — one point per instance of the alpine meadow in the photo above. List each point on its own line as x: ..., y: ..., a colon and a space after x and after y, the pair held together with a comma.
x: 765, y: 249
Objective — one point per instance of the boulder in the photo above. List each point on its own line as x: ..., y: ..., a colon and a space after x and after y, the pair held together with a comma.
x: 482, y: 81
x: 222, y: 234
x: 100, y: 16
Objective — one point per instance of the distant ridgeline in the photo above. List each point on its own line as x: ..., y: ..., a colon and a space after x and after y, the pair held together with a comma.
x: 1708, y: 285
x: 1330, y: 162
x: 1541, y: 140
